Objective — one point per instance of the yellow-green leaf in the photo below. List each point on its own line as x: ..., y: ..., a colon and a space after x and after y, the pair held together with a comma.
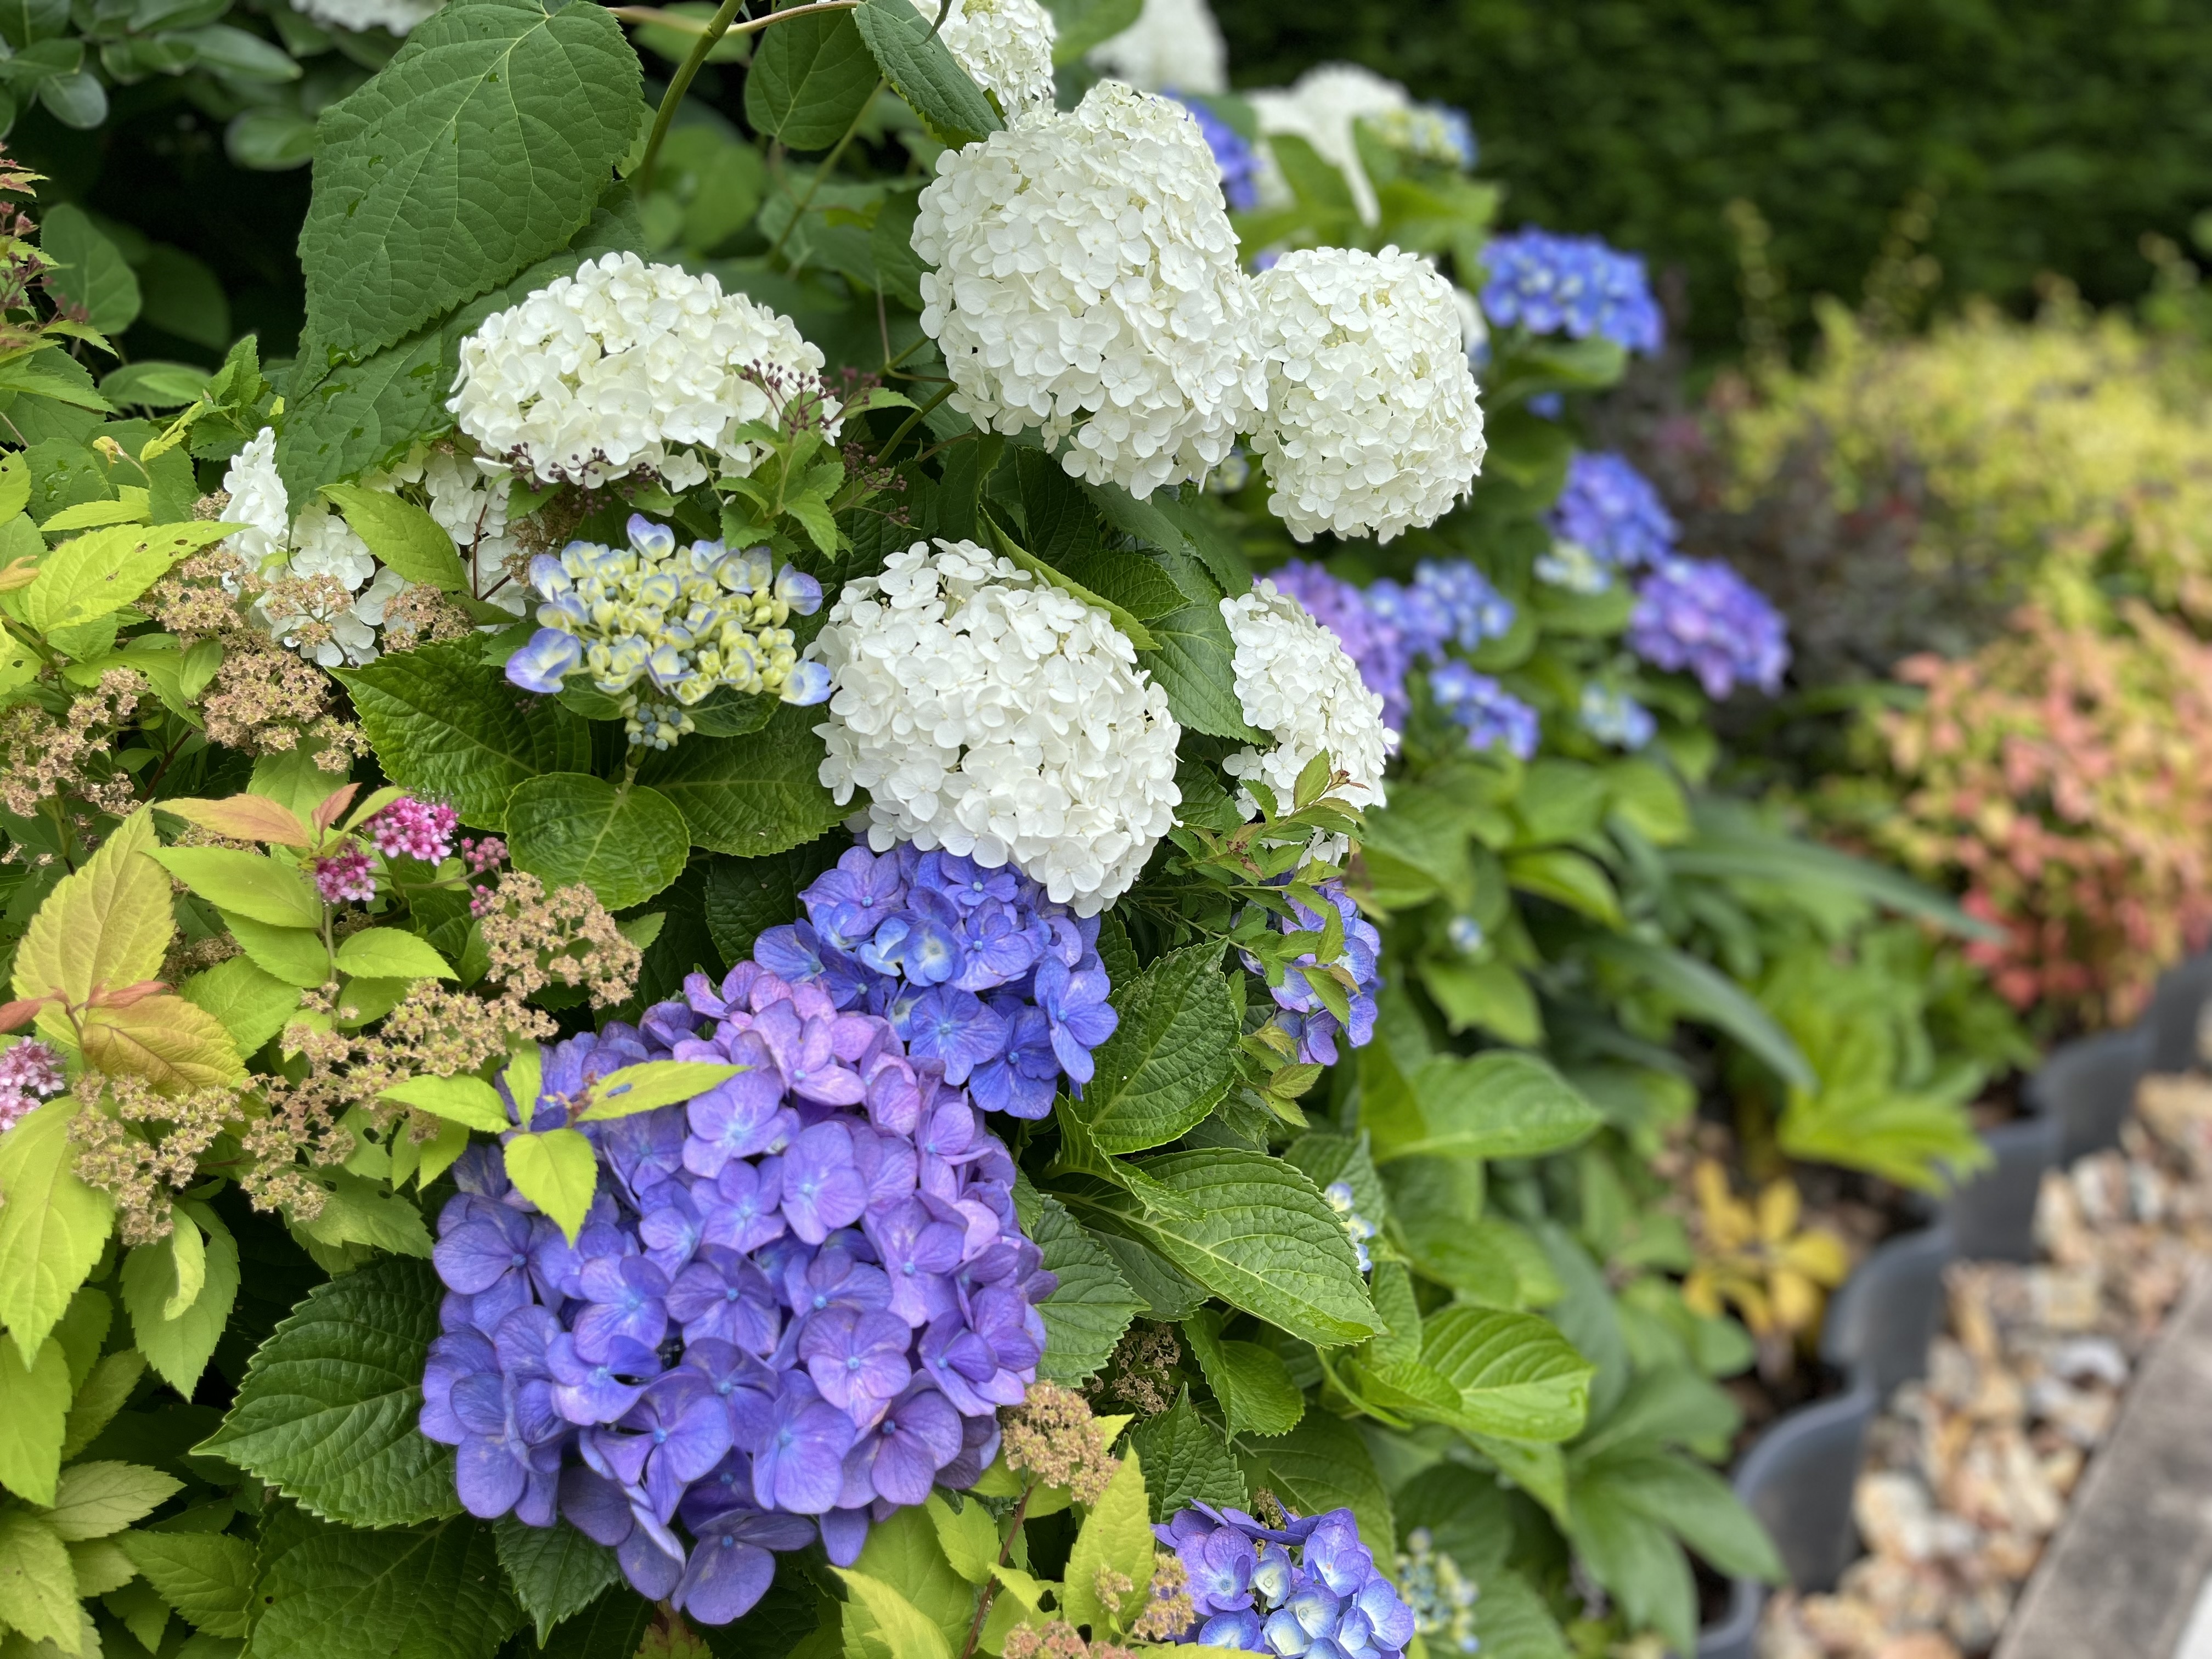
x: 108, y: 924
x: 99, y: 574
x: 38, y: 1590
x: 468, y: 1100
x: 51, y: 1228
x: 251, y: 883
x: 92, y: 1500
x: 34, y: 1406
x: 188, y: 1260
x: 1116, y: 1537
x: 651, y: 1085
x: 167, y: 1040
x: 557, y: 1172
x: 900, y: 1625
x: 293, y: 955
x: 402, y: 535
x: 967, y: 1535
x: 390, y: 953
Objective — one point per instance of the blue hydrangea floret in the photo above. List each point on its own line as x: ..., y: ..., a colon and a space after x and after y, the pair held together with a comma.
x: 1308, y: 1586
x: 1571, y: 285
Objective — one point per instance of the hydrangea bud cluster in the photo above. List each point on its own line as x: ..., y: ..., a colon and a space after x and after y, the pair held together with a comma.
x: 1372, y: 424
x: 979, y: 971
x: 1492, y: 716
x: 1131, y: 350
x: 999, y: 718
x: 628, y: 367
x: 1442, y: 1597
x: 29, y: 1072
x: 684, y: 621
x: 414, y: 829
x: 1699, y: 614
x: 1294, y: 682
x: 1574, y: 285
x: 1612, y: 509
x: 1614, y: 717
x: 796, y: 1303
x: 1307, y: 1587
x: 1239, y: 163
x: 1173, y: 43
x: 1005, y: 46
x: 1302, y: 1014
x: 326, y: 594
x: 1357, y: 1227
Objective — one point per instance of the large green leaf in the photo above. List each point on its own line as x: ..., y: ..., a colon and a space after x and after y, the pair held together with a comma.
x: 481, y: 147
x: 754, y: 795
x: 1186, y: 1462
x: 1495, y: 1105
x: 1251, y: 1383
x: 1084, y: 1318
x: 1636, y: 1559
x: 1512, y: 1622
x: 326, y: 1413
x: 612, y: 1627
x: 1517, y: 1377
x: 34, y: 1402
x: 1324, y: 1465
x: 555, y: 1572
x: 206, y: 1576
x: 1170, y: 1060
x: 426, y: 1592
x: 180, y: 1348
x: 1693, y: 1503
x: 252, y: 1004
x: 1192, y: 663
x: 811, y: 78
x: 446, y: 727
x: 90, y: 269
x: 51, y: 1224
x: 747, y: 896
x: 1256, y: 1233
x: 626, y: 844
x: 922, y: 70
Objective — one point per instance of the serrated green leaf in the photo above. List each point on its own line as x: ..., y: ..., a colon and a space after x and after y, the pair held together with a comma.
x: 1324, y: 1465
x: 251, y: 1003
x: 903, y: 1553
x: 1186, y: 1462
x: 1084, y: 1318
x: 1251, y: 1383
x: 1512, y: 1622
x: 468, y: 1100
x: 1170, y: 1060
x: 105, y: 1392
x: 1517, y: 1377
x: 102, y: 1568
x: 1192, y: 663
x: 97, y: 574
x: 403, y: 535
x: 1116, y: 1537
x: 1693, y: 1503
x: 481, y: 147
x: 253, y: 884
x: 327, y: 1412
x: 967, y: 1536
x: 94, y: 1500
x: 90, y: 271
x: 922, y: 70
x: 558, y: 1171
x: 178, y: 1348
x: 206, y: 1576
x: 390, y: 953
x: 295, y: 956
x: 52, y: 1225
x: 425, y: 1592
x: 359, y: 1210
x: 810, y: 78
x: 447, y: 728
x: 33, y: 1408
x: 900, y: 1626
x: 1495, y: 1105
x: 556, y: 1572
x: 626, y: 844
x: 747, y: 896
x: 750, y: 796
x: 38, y: 1590
x: 612, y: 1627
x: 650, y: 1084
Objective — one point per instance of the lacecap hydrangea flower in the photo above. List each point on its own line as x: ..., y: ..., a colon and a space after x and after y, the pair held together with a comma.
x: 1130, y: 351
x: 1173, y: 43
x: 1442, y: 1597
x: 977, y: 969
x: 1372, y: 425
x: 1612, y: 509
x: 1699, y: 614
x: 1302, y: 1014
x: 1574, y: 285
x: 1295, y: 682
x: 1492, y: 717
x: 1005, y: 46
x: 1357, y: 1227
x: 999, y: 718
x: 1616, y: 718
x: 1308, y: 1586
x: 683, y: 621
x: 317, y: 542
x: 627, y: 367
x: 797, y: 1302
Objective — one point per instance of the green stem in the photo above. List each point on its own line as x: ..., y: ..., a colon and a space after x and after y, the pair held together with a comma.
x: 910, y: 423
x: 991, y: 1585
x: 829, y: 165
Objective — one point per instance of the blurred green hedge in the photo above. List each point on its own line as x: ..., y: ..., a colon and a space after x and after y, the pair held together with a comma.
x: 2058, y: 131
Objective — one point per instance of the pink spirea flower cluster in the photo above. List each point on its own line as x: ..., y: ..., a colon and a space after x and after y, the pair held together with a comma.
x: 419, y: 828
x: 344, y: 876
x: 29, y: 1072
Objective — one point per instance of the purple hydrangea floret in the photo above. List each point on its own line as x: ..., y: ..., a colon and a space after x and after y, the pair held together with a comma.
x: 1611, y: 509
x: 1493, y: 717
x: 798, y: 1300
x: 1308, y: 1586
x: 1571, y: 285
x: 1699, y: 616
x: 1390, y: 626
x: 1301, y: 1013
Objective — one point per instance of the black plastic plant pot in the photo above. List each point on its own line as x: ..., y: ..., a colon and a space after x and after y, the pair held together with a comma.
x: 1992, y: 1216
x: 2171, y: 1018
x: 1881, y: 1321
x: 2089, y: 1086
x: 1735, y: 1635
x: 1798, y: 1481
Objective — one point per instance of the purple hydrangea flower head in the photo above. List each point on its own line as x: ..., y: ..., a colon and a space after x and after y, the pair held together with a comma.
x: 1698, y: 615
x: 1493, y: 717
x: 1571, y: 285
x: 1309, y: 1589
x: 1611, y: 509
x: 1300, y: 1010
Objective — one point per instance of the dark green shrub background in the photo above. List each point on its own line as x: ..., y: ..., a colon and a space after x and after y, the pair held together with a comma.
x: 2058, y: 130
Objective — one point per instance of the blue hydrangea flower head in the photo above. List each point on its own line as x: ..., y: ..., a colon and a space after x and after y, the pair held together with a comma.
x: 1494, y: 717
x: 1699, y: 616
x: 1309, y: 1586
x: 1611, y: 509
x: 1616, y: 718
x: 1472, y: 609
x: 1571, y: 285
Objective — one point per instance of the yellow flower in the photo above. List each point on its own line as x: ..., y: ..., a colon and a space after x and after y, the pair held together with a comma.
x: 1755, y: 1257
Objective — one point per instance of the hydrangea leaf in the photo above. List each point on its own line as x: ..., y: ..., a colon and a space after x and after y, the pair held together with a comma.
x: 1186, y: 1462
x: 1495, y: 1105
x: 206, y: 1576
x: 427, y: 1592
x: 446, y: 728
x: 1251, y: 1383
x: 402, y: 535
x: 52, y: 1225
x: 1324, y: 1465
x: 554, y: 1571
x: 326, y: 1413
x: 1636, y: 1559
x: 1192, y: 664
x: 810, y: 78
x: 1256, y: 1233
x: 1517, y: 1377
x: 1694, y: 1503
x: 1170, y: 1060
x: 922, y: 70
x: 750, y: 796
x: 1083, y: 24
x: 625, y: 843
x: 94, y: 1500
x: 38, y: 1590
x: 651, y: 1085
x: 558, y: 1171
x: 1094, y: 1304
x: 1512, y: 1622
x: 179, y: 1346
x: 612, y: 1627
x: 1116, y: 1538
x: 33, y: 1407
x: 481, y: 147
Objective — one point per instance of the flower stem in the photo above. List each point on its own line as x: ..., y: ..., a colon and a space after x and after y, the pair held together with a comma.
x: 991, y: 1585
x: 910, y: 423
x: 829, y: 165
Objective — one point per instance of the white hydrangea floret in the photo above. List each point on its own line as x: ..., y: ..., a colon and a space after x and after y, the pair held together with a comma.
x: 317, y: 542
x: 1296, y: 682
x: 470, y: 503
x: 1373, y: 424
x: 1174, y: 45
x: 1005, y: 46
x: 628, y: 367
x: 1321, y: 106
x: 1084, y: 280
x: 1000, y: 718
x: 398, y: 16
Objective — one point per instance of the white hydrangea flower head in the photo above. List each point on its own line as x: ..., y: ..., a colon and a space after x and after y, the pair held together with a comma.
x: 1373, y: 424
x: 468, y: 497
x: 317, y: 542
x: 998, y: 717
x: 1005, y: 46
x: 1321, y: 106
x: 397, y: 15
x: 1296, y: 683
x: 1084, y: 280
x: 1174, y: 45
x: 627, y: 367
